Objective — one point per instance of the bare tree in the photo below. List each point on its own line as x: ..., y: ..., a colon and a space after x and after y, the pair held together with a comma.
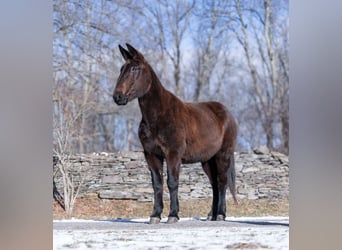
x: 83, y: 49
x: 82, y: 53
x: 212, y: 47
x: 283, y: 57
x: 63, y: 135
x: 268, y: 91
x: 170, y: 19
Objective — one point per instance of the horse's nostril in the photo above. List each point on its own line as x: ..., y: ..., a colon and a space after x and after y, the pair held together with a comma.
x: 115, y: 97
x: 120, y: 99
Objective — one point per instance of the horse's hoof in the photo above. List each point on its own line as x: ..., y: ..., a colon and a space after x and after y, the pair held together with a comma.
x: 220, y: 217
x: 209, y: 218
x: 154, y: 220
x: 172, y: 220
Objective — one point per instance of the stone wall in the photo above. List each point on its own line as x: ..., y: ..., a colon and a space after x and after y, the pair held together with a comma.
x: 125, y: 176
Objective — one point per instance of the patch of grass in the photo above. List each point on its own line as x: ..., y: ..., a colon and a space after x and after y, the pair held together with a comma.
x: 263, y: 207
x: 91, y: 207
x: 245, y: 246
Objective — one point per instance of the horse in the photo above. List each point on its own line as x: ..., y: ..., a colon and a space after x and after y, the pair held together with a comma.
x: 178, y: 132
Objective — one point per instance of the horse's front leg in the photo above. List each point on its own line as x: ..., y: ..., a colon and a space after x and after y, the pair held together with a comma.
x: 155, y: 165
x: 173, y: 167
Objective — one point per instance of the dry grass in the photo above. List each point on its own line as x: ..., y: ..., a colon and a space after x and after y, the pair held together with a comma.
x: 245, y: 246
x: 91, y: 207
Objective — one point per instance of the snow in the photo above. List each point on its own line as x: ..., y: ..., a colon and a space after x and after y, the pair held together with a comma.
x: 188, y: 233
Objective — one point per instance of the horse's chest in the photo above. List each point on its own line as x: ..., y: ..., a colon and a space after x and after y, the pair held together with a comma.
x: 149, y: 138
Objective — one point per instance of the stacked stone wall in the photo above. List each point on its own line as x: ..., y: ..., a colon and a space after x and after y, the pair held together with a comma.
x: 125, y: 175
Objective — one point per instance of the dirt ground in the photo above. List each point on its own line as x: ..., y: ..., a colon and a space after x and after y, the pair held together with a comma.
x: 92, y: 207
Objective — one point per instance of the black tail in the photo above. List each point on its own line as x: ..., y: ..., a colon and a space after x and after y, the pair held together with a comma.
x: 231, y: 178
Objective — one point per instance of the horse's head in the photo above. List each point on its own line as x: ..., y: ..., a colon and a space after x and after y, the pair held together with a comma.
x: 135, y: 76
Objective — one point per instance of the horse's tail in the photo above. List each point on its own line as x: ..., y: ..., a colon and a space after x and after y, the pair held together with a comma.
x: 231, y: 178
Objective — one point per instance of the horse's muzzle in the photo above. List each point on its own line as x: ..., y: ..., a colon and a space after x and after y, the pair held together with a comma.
x: 120, y: 99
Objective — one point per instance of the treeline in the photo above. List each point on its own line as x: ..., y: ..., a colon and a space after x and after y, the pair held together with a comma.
x: 232, y: 51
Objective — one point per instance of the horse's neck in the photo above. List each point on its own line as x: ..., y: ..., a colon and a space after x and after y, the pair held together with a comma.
x: 154, y: 102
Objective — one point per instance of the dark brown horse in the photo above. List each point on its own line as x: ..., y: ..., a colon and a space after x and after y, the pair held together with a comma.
x: 178, y: 132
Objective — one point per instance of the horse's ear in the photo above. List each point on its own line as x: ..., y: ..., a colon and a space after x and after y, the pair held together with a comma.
x: 136, y: 54
x: 125, y: 54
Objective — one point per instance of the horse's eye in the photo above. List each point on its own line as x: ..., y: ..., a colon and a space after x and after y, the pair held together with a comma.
x: 135, y: 68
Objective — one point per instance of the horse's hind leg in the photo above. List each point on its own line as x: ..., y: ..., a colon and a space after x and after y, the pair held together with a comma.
x: 225, y: 170
x: 222, y: 178
x: 210, y: 169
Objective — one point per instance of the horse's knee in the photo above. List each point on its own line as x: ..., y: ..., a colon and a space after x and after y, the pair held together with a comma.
x: 172, y: 183
x: 173, y: 179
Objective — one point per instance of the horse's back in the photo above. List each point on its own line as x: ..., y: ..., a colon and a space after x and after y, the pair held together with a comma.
x: 217, y: 111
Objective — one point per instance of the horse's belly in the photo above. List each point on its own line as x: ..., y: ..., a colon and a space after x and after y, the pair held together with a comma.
x: 199, y: 153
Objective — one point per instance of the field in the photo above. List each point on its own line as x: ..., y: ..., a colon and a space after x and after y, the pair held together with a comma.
x: 91, y: 207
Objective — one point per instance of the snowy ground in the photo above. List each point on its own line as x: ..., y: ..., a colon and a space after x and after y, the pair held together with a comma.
x: 188, y: 233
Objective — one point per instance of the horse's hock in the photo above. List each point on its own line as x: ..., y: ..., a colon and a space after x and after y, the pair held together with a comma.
x: 124, y: 175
